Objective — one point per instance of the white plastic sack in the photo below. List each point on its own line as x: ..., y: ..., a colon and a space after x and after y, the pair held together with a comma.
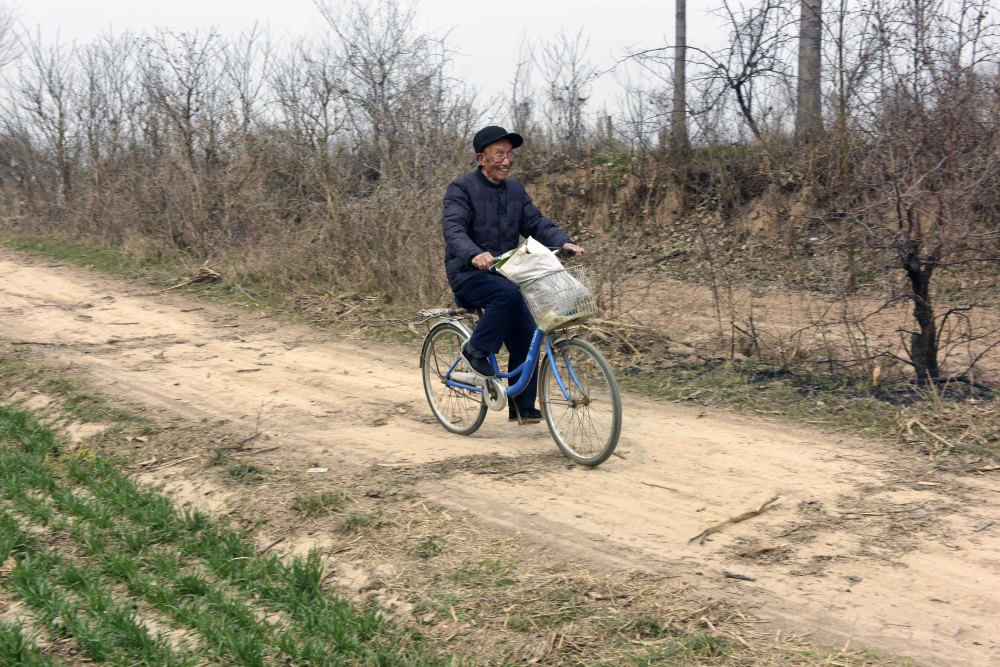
x: 528, y: 261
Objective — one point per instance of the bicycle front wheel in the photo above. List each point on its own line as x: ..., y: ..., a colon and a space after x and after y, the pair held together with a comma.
x: 460, y: 411
x: 584, y: 414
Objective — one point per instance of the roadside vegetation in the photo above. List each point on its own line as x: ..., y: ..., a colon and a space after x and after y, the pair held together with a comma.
x: 949, y: 424
x: 98, y: 567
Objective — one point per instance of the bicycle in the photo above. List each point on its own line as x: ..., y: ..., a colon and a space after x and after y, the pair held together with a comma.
x: 577, y: 391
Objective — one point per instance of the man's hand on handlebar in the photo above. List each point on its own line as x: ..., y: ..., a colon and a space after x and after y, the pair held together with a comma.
x: 571, y: 249
x: 483, y: 260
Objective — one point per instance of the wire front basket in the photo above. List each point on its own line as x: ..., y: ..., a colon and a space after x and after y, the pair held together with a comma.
x: 559, y: 298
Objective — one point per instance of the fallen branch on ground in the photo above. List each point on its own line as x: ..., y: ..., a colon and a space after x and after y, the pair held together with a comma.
x: 916, y: 422
x: 703, y: 535
x: 204, y: 275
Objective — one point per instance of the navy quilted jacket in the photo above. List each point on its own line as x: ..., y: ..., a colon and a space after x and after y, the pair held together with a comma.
x: 483, y: 216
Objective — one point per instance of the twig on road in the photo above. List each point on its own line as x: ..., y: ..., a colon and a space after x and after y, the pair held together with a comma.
x: 703, y: 535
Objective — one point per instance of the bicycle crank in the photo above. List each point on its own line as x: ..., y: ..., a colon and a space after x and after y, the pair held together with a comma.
x: 494, y: 393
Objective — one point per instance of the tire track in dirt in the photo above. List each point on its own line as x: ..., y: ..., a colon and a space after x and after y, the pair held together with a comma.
x: 861, y: 546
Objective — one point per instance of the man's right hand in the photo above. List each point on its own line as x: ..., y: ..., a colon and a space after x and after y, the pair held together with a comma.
x: 483, y: 260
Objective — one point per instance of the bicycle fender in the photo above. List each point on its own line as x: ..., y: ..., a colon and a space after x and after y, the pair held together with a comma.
x: 553, y: 341
x: 457, y: 321
x: 563, y: 336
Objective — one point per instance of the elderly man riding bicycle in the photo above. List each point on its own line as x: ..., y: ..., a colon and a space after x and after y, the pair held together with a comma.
x: 485, y: 214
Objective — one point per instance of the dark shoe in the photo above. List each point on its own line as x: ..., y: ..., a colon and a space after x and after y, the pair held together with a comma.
x: 528, y: 415
x: 479, y: 364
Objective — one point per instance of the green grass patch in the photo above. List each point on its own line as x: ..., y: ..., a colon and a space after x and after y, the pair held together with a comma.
x: 245, y: 473
x: 693, y: 649
x: 13, y: 368
x: 319, y: 503
x: 81, y: 253
x: 485, y: 573
x: 75, y: 400
x: 614, y: 159
x: 357, y: 521
x: 427, y: 548
x: 18, y: 649
x: 98, y: 560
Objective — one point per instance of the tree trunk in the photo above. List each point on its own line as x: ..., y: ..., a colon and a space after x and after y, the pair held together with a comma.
x: 923, y: 342
x: 808, y: 116
x: 679, y: 145
x: 678, y: 117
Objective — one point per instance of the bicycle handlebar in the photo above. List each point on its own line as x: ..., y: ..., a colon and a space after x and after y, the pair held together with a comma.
x: 558, y: 252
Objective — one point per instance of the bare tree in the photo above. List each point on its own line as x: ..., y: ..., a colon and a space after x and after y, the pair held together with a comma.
x: 641, y: 121
x: 926, y: 178
x: 247, y: 61
x: 401, y: 111
x: 9, y: 49
x: 395, y: 81
x: 307, y: 85
x: 568, y: 76
x: 44, y: 93
x: 755, y: 58
x: 522, y: 99
x: 106, y: 104
x: 651, y: 96
x: 184, y: 127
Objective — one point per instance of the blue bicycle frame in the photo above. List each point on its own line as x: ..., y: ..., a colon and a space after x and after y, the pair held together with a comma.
x: 520, y: 373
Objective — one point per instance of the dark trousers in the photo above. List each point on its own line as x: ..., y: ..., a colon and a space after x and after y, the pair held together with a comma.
x: 506, y: 321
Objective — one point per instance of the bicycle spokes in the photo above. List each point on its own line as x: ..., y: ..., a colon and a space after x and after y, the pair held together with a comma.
x: 580, y: 399
x: 460, y: 410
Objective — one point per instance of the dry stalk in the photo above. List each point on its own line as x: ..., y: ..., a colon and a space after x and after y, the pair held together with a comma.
x: 204, y: 275
x: 703, y: 535
x: 916, y: 422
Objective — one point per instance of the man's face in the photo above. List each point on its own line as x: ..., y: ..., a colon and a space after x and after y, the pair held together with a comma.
x: 494, y: 168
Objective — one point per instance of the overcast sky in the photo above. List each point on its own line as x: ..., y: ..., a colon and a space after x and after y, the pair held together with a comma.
x: 612, y: 26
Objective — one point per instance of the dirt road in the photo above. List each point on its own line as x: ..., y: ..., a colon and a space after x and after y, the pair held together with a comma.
x: 862, y: 546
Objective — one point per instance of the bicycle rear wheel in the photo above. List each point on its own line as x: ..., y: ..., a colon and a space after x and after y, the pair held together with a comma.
x: 586, y: 423
x: 460, y: 411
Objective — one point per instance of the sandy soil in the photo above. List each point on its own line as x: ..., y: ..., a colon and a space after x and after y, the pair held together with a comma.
x: 863, y: 546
